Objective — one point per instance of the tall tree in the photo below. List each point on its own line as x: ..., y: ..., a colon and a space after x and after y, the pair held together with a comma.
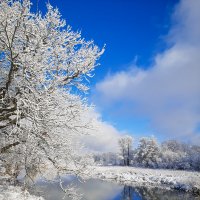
x: 125, y: 145
x: 42, y: 61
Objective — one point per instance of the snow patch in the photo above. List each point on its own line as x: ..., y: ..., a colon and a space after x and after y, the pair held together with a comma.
x: 16, y: 193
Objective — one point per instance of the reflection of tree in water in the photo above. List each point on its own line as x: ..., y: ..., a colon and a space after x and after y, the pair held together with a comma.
x: 130, y: 193
x: 157, y: 194
x: 127, y: 193
x: 144, y: 193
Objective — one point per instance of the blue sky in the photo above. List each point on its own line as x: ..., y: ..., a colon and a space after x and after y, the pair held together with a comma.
x: 129, y: 28
x: 141, y: 86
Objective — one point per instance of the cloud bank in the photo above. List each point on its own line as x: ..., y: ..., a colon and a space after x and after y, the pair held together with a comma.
x: 168, y: 92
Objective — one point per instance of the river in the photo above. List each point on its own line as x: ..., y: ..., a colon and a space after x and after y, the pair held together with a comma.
x: 100, y: 190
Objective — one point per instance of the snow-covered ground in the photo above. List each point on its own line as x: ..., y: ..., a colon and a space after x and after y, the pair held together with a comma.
x: 16, y: 193
x: 8, y: 192
x: 168, y: 179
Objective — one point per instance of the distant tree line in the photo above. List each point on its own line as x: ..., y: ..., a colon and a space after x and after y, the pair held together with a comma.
x: 170, y: 154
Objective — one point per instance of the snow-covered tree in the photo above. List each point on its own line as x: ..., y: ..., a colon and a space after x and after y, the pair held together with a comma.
x: 177, y: 155
x: 42, y: 63
x: 147, y: 153
x: 125, y: 145
x: 108, y: 158
x: 194, y: 157
x: 173, y: 145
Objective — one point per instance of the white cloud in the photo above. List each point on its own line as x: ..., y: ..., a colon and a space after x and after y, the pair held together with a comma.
x: 103, y: 137
x: 169, y: 92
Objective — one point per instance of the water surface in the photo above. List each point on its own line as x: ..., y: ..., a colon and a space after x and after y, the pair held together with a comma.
x: 100, y: 190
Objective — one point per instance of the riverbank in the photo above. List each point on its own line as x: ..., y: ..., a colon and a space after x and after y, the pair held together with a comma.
x: 16, y: 193
x: 11, y: 192
x: 168, y: 179
x: 138, y: 178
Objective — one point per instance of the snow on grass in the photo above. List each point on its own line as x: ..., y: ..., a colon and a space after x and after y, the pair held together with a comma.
x: 16, y: 193
x: 169, y: 179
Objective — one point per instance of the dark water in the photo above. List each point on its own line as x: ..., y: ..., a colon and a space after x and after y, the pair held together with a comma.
x: 100, y: 190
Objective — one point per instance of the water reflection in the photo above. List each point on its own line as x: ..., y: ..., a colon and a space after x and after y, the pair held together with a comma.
x: 157, y: 194
x: 99, y: 190
x: 127, y: 193
x: 144, y: 193
x: 91, y: 190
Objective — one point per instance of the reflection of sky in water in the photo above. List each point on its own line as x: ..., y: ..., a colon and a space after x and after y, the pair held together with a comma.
x: 99, y: 190
x: 93, y: 189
